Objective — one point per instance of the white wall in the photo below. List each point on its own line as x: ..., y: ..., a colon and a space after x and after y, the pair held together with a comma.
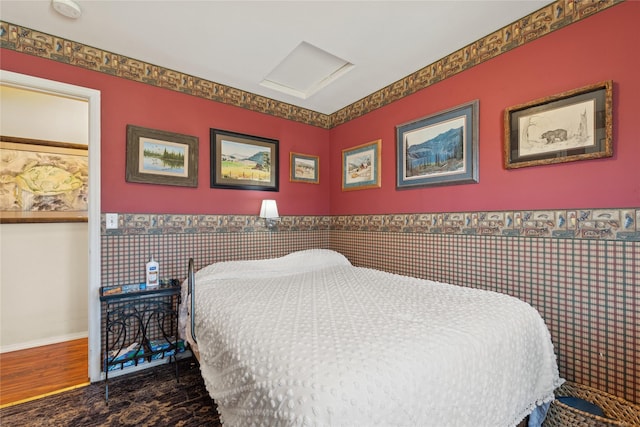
x: 37, y: 115
x: 43, y: 267
x: 44, y: 284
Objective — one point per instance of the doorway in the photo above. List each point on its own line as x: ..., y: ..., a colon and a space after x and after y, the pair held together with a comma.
x: 91, y: 96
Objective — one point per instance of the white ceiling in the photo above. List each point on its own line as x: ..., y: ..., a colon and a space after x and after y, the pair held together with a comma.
x: 239, y: 43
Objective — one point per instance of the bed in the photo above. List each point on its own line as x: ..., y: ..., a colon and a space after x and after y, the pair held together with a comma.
x: 309, y: 339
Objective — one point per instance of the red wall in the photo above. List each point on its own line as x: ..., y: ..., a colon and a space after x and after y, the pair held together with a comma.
x: 602, y: 47
x: 125, y: 102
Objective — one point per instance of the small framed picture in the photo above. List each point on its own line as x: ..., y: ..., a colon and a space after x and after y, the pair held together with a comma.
x: 361, y: 166
x: 243, y: 162
x: 441, y: 149
x: 159, y: 157
x: 304, y: 168
x: 573, y: 125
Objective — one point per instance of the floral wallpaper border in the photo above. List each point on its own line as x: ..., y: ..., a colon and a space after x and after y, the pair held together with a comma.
x: 602, y: 224
x: 544, y: 21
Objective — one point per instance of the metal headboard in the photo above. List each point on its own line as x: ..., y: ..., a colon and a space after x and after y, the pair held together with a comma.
x: 191, y: 281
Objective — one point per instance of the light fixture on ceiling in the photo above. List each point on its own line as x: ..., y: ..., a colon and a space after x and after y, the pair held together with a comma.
x: 68, y: 8
x: 305, y: 71
x: 269, y: 211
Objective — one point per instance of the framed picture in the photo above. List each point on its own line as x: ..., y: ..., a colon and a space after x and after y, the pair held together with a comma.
x: 43, y: 181
x: 361, y: 166
x: 243, y: 162
x: 574, y: 125
x: 441, y: 149
x: 159, y: 157
x: 304, y: 168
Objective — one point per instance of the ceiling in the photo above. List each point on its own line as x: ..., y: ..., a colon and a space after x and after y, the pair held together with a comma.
x: 240, y: 43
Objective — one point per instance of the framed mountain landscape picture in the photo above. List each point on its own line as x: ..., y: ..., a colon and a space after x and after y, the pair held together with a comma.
x: 243, y: 162
x: 440, y: 149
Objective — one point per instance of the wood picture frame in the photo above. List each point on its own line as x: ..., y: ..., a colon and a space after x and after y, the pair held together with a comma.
x: 161, y: 157
x: 440, y: 149
x: 361, y: 166
x: 43, y: 181
x: 304, y: 168
x: 243, y: 162
x: 570, y: 126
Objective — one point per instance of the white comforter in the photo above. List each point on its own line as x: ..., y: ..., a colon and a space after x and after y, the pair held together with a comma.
x: 308, y: 339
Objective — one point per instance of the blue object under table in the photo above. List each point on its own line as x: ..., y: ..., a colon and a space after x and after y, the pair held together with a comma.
x: 582, y: 405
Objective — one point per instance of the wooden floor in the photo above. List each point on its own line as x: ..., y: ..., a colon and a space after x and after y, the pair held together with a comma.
x: 25, y: 374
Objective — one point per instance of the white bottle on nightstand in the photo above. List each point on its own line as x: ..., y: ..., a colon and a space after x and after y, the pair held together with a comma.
x: 153, y: 274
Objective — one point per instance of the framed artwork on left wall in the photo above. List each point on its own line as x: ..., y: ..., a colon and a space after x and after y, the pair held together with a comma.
x: 160, y: 157
x: 304, y: 168
x: 243, y: 162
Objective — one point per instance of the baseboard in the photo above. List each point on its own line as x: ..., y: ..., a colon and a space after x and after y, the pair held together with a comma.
x: 42, y: 342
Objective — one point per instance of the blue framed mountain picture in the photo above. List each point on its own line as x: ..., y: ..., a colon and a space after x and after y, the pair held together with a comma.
x: 440, y: 149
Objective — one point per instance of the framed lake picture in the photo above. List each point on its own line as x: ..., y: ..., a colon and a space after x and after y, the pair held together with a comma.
x: 570, y: 126
x: 441, y: 149
x: 160, y: 157
x: 243, y: 162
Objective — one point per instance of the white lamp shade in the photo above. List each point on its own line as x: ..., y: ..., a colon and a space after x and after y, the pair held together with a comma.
x: 269, y: 209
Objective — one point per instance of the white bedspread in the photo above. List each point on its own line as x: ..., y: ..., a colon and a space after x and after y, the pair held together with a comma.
x: 308, y: 339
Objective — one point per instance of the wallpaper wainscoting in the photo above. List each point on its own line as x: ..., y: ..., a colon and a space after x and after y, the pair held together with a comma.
x: 124, y: 256
x: 587, y: 291
x: 580, y: 270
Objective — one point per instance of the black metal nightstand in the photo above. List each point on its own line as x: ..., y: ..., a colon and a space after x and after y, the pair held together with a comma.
x: 139, y: 327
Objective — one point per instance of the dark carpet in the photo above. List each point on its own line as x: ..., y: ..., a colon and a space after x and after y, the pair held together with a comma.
x: 146, y: 398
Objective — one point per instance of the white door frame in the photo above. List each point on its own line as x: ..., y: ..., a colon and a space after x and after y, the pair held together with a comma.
x: 92, y: 96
